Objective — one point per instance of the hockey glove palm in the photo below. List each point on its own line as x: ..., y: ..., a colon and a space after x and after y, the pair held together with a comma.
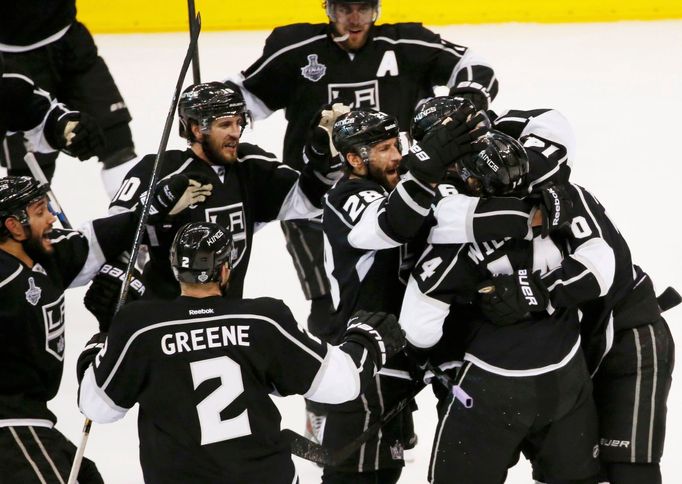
x: 177, y: 193
x: 76, y: 134
x: 557, y: 209
x: 89, y: 353
x: 429, y: 159
x: 509, y: 298
x: 102, y: 295
x: 378, y: 332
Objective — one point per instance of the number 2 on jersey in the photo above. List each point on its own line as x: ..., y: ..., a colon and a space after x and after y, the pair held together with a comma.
x: 213, y: 428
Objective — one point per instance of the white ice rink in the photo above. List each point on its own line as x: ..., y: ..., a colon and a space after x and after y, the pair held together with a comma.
x: 619, y: 83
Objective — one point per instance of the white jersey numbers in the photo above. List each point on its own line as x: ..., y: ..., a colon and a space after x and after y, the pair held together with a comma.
x: 355, y: 204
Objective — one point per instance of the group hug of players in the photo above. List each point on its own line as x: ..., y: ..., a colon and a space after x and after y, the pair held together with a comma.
x: 459, y: 256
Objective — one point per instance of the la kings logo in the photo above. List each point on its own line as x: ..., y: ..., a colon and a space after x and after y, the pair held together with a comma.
x: 357, y: 94
x: 53, y: 316
x: 313, y: 71
x: 233, y: 218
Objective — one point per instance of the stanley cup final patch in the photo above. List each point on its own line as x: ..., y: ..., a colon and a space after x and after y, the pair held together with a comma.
x: 313, y: 71
x: 33, y: 292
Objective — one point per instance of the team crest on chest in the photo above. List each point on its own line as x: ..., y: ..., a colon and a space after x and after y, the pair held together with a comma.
x: 356, y: 94
x: 313, y: 71
x: 33, y: 292
x: 233, y: 218
x: 53, y: 316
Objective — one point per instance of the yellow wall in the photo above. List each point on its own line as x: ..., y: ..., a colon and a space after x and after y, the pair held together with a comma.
x: 103, y: 16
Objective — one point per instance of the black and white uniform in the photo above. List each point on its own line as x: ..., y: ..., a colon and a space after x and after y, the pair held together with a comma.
x: 26, y: 108
x: 255, y: 189
x: 44, y: 41
x: 302, y: 68
x: 32, y: 331
x: 202, y: 370
x: 529, y: 382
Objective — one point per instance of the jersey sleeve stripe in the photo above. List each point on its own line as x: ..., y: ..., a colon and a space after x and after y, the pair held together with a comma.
x: 9, y: 279
x: 284, y: 50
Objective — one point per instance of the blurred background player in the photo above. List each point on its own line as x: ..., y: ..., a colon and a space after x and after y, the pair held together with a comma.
x: 351, y: 60
x: 46, y: 123
x: 43, y: 40
x: 206, y: 401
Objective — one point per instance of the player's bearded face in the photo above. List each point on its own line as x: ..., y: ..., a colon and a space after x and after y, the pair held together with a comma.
x: 384, y: 160
x: 354, y: 19
x: 221, y: 141
x: 40, y: 224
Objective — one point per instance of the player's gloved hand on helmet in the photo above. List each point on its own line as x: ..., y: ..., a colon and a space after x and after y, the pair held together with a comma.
x: 556, y: 206
x: 378, y: 332
x: 89, y: 353
x: 319, y: 151
x: 476, y: 96
x: 175, y: 194
x: 75, y: 133
x: 429, y: 159
x: 102, y: 296
x: 508, y: 298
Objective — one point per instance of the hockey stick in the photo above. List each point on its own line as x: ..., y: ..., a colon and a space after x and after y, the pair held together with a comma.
x: 193, y: 27
x: 39, y: 175
x: 194, y: 36
x: 314, y: 452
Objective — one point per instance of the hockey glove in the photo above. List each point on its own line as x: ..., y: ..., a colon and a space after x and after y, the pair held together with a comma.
x: 319, y: 151
x: 89, y: 353
x: 102, y: 295
x: 429, y: 159
x: 476, y: 96
x: 509, y: 298
x: 175, y: 194
x: 378, y: 332
x: 76, y: 134
x: 557, y: 209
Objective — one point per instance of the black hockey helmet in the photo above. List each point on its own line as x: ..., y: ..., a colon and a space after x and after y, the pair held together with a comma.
x: 501, y: 168
x: 435, y: 110
x: 203, y: 103
x: 329, y: 7
x: 17, y: 193
x: 359, y: 129
x: 199, y: 250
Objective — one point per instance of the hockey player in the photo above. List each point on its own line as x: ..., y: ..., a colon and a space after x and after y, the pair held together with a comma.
x: 526, y: 375
x: 249, y: 185
x: 203, y: 367
x: 44, y: 41
x: 47, y: 124
x: 37, y: 264
x: 351, y: 59
x: 628, y: 309
x: 369, y: 216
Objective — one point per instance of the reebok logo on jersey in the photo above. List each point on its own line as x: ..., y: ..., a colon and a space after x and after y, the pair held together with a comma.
x: 557, y: 206
x: 194, y: 312
x: 614, y: 443
x: 525, y: 288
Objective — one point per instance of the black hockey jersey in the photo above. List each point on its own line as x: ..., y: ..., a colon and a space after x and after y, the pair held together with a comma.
x: 27, y: 23
x: 202, y: 370
x: 25, y: 107
x: 255, y: 189
x: 302, y: 68
x: 32, y: 323
x: 578, y: 268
